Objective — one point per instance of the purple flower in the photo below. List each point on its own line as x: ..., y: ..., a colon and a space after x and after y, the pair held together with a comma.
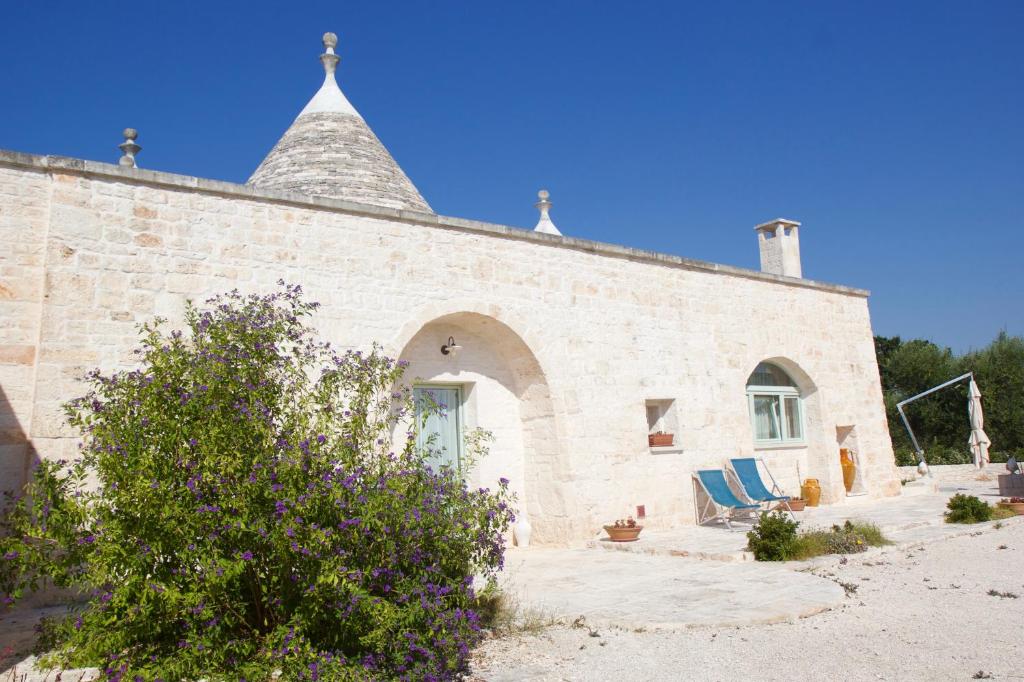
x: 247, y: 556
x: 10, y: 556
x: 503, y: 481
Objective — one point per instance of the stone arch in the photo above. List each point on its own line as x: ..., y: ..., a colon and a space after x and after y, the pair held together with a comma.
x: 805, y: 384
x: 508, y: 393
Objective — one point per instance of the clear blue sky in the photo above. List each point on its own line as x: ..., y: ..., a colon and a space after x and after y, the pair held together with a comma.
x: 893, y: 130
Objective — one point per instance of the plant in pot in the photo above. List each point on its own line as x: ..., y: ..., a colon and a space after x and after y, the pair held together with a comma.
x: 1015, y: 504
x: 623, y: 530
x: 659, y: 439
x: 795, y: 503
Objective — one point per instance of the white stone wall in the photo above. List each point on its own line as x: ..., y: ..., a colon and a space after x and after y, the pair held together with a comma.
x: 580, y: 334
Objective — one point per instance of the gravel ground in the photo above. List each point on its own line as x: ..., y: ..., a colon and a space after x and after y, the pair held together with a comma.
x: 918, y: 614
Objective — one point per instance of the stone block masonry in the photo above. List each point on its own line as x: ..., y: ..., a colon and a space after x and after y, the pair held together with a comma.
x: 585, y: 332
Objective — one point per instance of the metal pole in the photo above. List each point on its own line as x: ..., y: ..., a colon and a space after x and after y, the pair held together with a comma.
x: 899, y: 408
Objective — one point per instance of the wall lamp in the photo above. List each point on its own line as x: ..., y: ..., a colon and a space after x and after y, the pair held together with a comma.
x: 450, y: 348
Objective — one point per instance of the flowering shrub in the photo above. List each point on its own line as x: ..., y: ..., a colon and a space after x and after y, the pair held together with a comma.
x: 248, y: 514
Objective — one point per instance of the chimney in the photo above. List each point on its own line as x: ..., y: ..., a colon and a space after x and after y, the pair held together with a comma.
x: 779, y: 241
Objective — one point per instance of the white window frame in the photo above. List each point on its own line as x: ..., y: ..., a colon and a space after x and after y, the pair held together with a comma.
x: 781, y: 392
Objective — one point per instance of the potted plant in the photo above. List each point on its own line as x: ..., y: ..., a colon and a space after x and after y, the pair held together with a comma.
x: 795, y: 503
x: 1014, y: 503
x: 659, y: 439
x: 624, y: 530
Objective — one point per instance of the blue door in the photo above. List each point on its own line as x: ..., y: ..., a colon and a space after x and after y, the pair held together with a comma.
x: 441, y: 433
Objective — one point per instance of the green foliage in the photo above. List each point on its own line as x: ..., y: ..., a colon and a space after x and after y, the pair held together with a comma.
x: 967, y: 509
x: 1002, y: 513
x: 251, y: 514
x: 774, y: 538
x: 870, y: 533
x: 940, y: 420
x: 850, y: 538
x: 999, y: 371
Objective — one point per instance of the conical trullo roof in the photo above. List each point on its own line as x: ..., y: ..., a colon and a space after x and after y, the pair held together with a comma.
x: 329, y: 151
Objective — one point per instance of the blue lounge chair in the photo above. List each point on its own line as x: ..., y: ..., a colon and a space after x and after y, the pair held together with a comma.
x: 749, y: 477
x: 720, y: 501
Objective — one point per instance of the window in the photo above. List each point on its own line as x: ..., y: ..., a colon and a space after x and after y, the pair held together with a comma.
x: 661, y: 416
x: 441, y: 433
x: 662, y: 425
x: 776, y: 410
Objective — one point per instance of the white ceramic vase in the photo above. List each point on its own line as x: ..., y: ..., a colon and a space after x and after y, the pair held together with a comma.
x: 522, y: 530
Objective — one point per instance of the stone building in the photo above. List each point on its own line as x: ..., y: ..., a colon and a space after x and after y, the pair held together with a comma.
x: 571, y: 352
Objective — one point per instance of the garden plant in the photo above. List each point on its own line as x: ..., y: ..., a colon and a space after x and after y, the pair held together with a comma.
x: 239, y: 510
x: 776, y: 538
x: 967, y: 509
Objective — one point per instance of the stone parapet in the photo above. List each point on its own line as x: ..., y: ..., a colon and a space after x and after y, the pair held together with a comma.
x: 230, y: 189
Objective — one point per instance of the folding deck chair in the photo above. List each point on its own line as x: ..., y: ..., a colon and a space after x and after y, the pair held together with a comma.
x: 750, y: 480
x: 721, y: 503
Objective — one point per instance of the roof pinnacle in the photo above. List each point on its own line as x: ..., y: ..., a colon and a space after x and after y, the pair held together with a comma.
x: 329, y: 97
x: 328, y: 58
x: 129, y: 148
x: 544, y: 205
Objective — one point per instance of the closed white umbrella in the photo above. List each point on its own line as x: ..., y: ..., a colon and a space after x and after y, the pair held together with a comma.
x: 978, y: 441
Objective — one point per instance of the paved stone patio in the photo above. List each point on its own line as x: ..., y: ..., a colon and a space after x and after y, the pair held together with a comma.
x: 909, y: 518
x: 702, y: 576
x: 654, y: 592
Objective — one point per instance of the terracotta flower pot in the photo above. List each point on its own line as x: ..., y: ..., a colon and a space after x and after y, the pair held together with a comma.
x: 623, y: 533
x: 796, y: 504
x: 1017, y: 507
x: 657, y: 440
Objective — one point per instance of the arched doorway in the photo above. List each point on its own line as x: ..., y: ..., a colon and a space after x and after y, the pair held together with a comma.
x: 495, y: 383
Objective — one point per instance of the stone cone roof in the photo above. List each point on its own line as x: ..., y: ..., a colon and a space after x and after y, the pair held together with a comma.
x: 329, y: 151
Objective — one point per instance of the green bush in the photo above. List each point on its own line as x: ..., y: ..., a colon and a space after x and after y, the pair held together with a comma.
x: 937, y: 454
x: 967, y: 509
x: 774, y: 538
x: 850, y: 538
x: 251, y: 514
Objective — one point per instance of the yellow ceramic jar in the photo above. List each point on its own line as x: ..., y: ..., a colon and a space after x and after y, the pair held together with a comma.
x: 811, y: 492
x: 849, y: 468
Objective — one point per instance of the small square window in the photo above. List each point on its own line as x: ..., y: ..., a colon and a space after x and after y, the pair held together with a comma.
x: 662, y: 422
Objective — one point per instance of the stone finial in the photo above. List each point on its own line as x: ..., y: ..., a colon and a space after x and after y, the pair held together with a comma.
x: 129, y: 148
x: 328, y: 58
x: 544, y: 205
